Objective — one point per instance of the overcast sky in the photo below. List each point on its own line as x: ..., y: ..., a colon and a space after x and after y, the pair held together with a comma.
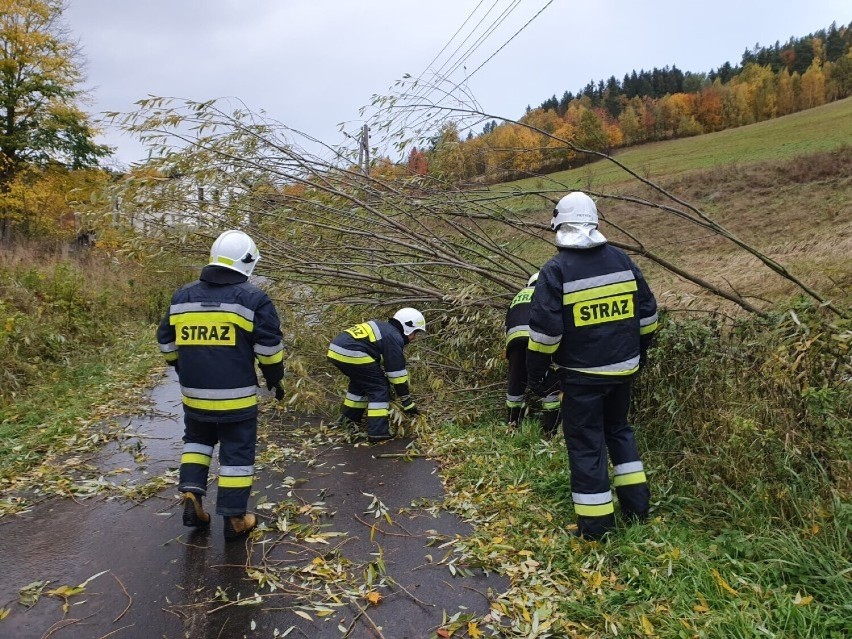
x: 312, y: 64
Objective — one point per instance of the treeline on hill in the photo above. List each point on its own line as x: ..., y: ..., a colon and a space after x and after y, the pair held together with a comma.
x: 648, y: 106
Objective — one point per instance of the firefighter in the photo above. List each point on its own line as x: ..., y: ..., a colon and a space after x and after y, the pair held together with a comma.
x: 370, y: 355
x: 592, y: 318
x: 517, y: 337
x: 213, y: 332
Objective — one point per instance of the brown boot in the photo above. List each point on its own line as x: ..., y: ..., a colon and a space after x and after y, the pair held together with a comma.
x: 239, y: 526
x: 194, y: 515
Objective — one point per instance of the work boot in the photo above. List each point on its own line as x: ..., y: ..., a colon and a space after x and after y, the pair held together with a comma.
x: 194, y: 515
x: 239, y: 526
x: 514, y: 416
x: 373, y: 439
x: 550, y: 422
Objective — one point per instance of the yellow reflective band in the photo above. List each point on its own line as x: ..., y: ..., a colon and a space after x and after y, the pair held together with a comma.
x: 235, y: 482
x: 513, y: 404
x: 171, y: 357
x: 225, y: 260
x: 594, y: 511
x: 650, y: 328
x: 629, y: 479
x: 548, y: 349
x: 348, y: 359
x: 509, y: 338
x: 362, y: 331
x: 607, y: 309
x: 266, y: 360
x: 195, y: 458
x: 550, y: 405
x: 599, y: 291
x: 377, y: 412
x: 353, y: 404
x: 220, y: 404
x: 402, y: 379
x: 212, y: 317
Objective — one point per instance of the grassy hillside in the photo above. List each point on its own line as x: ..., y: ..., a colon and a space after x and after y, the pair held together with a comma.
x: 820, y: 129
x: 783, y: 186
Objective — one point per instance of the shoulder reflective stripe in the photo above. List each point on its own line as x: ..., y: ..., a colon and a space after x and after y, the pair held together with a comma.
x: 236, y: 471
x: 348, y: 356
x: 366, y: 330
x: 213, y: 307
x: 597, y: 281
x: 201, y: 449
x: 260, y: 349
x: 218, y: 393
x: 601, y: 291
x: 221, y: 404
x: 626, y: 367
x: 377, y: 333
x: 168, y: 348
x: 212, y: 316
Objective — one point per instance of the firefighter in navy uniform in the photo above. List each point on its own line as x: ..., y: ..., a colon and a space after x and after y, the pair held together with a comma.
x: 592, y: 318
x: 371, y: 356
x: 517, y: 337
x: 215, y: 329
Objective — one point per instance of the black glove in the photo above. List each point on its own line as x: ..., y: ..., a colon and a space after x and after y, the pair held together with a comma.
x: 411, y: 410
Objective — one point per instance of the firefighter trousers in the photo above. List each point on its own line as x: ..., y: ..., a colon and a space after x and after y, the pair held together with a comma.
x: 594, y: 423
x: 368, y: 390
x: 237, y: 442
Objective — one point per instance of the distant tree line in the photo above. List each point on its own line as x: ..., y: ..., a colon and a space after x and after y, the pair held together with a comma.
x: 649, y: 106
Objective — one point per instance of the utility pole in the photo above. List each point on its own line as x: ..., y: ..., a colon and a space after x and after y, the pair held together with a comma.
x: 364, y: 150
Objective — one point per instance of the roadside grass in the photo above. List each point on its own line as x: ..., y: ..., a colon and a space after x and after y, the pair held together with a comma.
x: 745, y: 433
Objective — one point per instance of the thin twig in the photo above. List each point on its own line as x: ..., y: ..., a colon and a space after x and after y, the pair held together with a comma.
x: 129, y: 598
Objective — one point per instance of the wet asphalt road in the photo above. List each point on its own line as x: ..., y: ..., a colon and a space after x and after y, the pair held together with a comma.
x: 164, y: 581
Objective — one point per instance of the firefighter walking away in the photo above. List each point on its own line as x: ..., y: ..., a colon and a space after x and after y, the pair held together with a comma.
x: 592, y: 318
x: 213, y: 333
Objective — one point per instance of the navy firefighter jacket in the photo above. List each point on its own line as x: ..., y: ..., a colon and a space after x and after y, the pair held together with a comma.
x: 592, y: 316
x: 375, y: 342
x: 518, y: 317
x: 214, y: 330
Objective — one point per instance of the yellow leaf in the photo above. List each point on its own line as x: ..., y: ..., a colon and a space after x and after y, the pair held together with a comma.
x: 647, y: 627
x: 815, y: 528
x: 595, y: 580
x: 702, y: 606
x: 373, y: 597
x: 473, y: 629
x: 4, y: 612
x: 675, y: 553
x: 724, y: 585
x: 303, y: 615
x: 802, y: 601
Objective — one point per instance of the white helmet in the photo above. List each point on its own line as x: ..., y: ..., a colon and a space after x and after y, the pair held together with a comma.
x: 575, y: 220
x: 235, y: 250
x: 411, y: 320
x: 574, y: 208
x: 533, y: 279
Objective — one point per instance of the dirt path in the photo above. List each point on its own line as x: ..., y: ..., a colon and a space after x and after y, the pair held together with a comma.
x: 325, y: 566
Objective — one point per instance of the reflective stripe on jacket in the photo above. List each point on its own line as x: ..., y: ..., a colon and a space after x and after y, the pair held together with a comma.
x: 590, y: 312
x: 215, y: 329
